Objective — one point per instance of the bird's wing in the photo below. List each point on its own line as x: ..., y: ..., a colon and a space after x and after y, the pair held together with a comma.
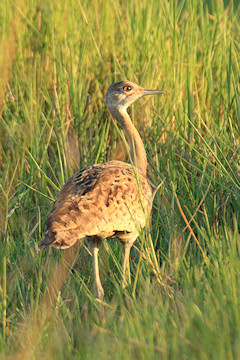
x: 98, y: 201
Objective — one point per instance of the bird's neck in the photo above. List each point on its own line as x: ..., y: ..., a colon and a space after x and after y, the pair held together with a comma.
x: 137, y: 150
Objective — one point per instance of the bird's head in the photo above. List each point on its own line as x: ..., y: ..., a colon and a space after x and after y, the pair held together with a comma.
x: 122, y: 94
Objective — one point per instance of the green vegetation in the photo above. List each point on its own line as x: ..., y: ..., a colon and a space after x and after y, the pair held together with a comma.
x: 57, y: 59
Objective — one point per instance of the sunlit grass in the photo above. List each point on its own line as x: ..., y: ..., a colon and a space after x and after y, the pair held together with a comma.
x: 57, y: 59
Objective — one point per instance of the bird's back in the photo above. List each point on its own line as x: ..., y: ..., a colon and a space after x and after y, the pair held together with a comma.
x: 101, y: 200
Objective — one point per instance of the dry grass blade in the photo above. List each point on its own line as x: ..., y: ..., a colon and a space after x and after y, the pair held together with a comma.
x: 71, y: 144
x: 188, y: 226
x: 198, y: 207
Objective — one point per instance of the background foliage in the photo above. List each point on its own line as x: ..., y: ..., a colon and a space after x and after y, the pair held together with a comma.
x: 57, y: 59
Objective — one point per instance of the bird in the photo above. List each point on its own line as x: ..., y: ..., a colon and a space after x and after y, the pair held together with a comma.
x: 106, y: 200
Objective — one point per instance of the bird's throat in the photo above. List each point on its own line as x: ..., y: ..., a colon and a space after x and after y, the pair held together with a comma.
x: 137, y: 150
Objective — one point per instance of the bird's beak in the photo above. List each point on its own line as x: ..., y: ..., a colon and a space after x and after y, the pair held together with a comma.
x: 145, y: 91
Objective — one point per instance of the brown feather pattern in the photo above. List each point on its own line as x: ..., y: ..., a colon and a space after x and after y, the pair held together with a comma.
x: 101, y: 200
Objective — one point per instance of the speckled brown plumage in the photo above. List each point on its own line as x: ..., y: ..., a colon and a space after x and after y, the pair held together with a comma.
x: 103, y: 200
x: 107, y: 200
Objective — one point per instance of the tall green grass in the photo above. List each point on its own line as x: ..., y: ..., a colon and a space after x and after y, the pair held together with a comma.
x: 57, y: 60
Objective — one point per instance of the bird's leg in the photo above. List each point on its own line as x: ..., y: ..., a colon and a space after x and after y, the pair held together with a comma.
x: 127, y: 243
x: 94, y: 245
x: 125, y: 264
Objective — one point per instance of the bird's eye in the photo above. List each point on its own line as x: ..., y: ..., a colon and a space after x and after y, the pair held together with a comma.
x: 127, y: 88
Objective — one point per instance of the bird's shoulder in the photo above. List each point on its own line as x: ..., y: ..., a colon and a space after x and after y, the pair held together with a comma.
x: 106, y: 174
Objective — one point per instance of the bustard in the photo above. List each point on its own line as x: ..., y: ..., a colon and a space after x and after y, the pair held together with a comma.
x: 109, y: 200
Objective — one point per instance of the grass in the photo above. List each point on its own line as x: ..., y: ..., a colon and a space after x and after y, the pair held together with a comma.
x: 57, y: 59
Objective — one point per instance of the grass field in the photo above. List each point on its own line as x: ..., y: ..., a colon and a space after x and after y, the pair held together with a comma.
x: 57, y: 59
